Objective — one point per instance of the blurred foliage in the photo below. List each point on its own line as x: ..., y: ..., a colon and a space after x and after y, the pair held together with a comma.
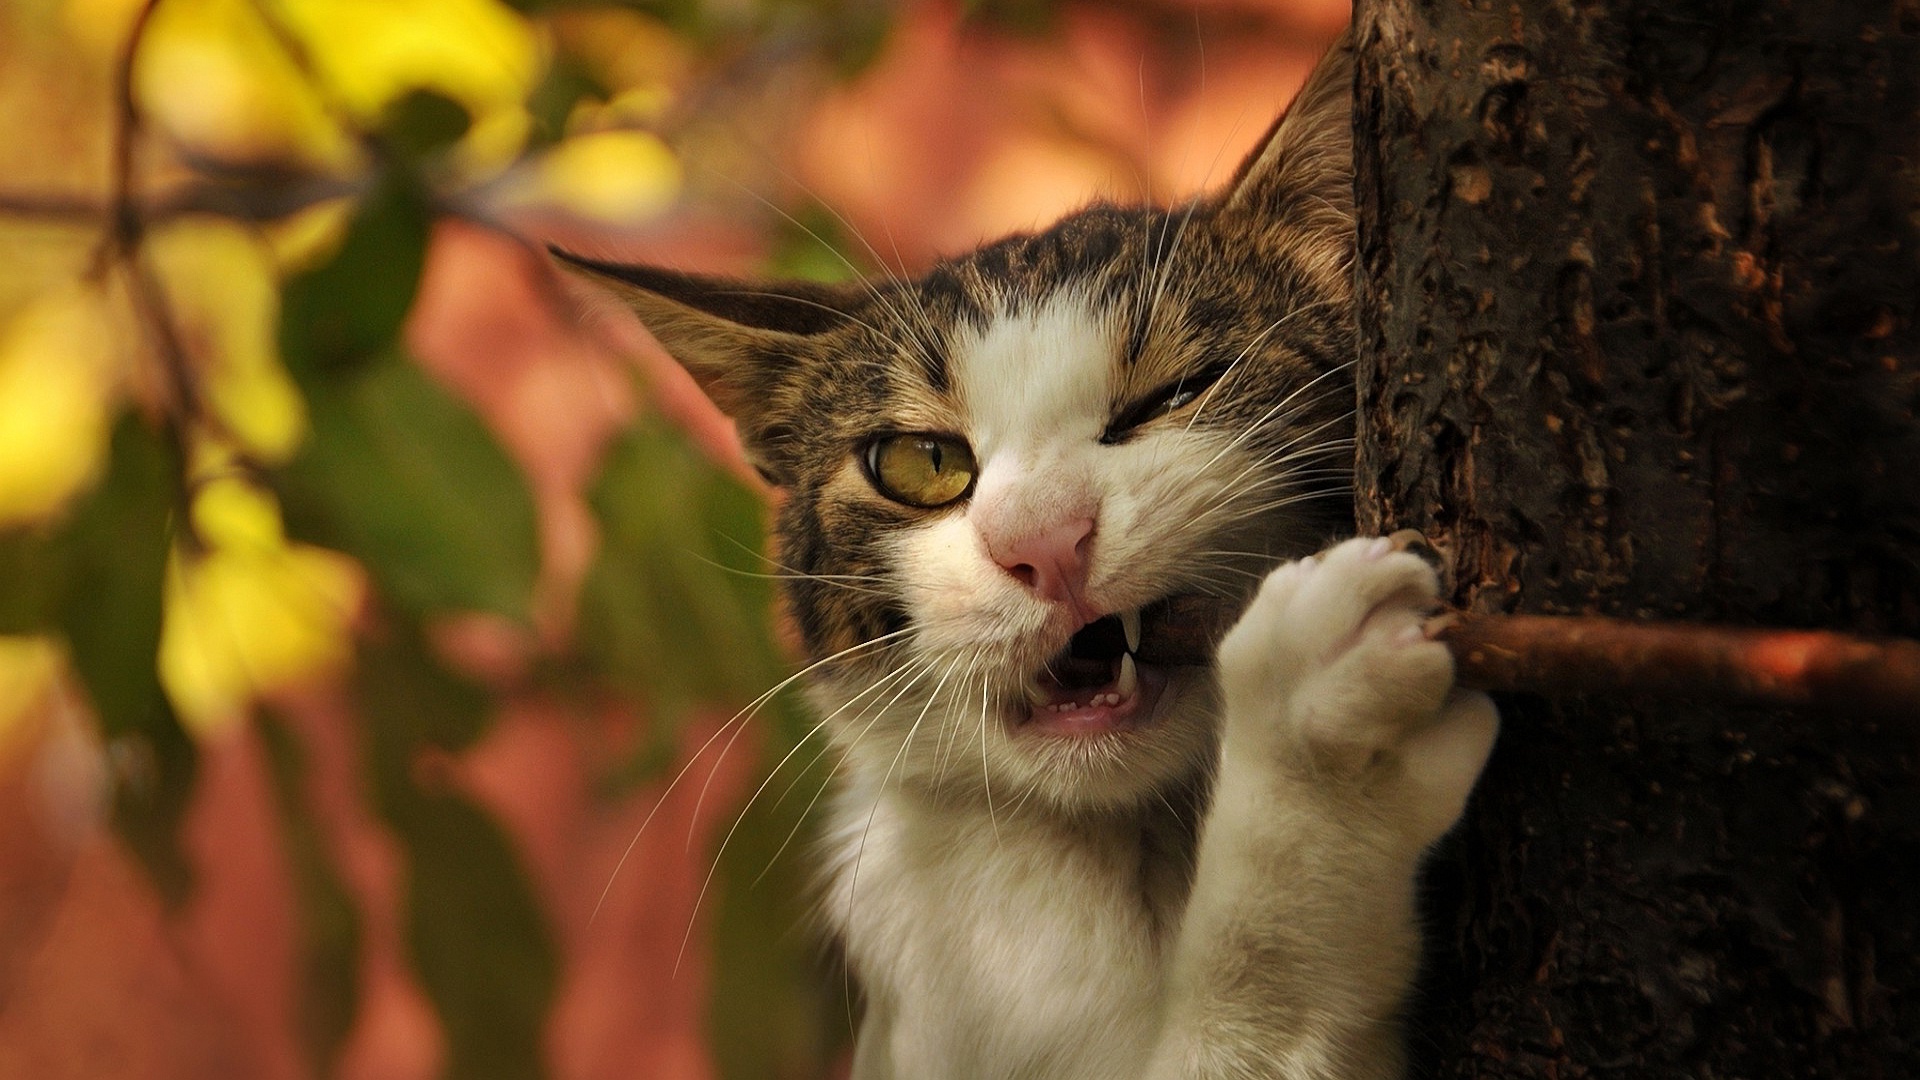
x: 669, y: 534
x: 330, y: 925
x: 812, y: 243
x: 476, y: 934
x: 400, y: 473
x: 222, y: 474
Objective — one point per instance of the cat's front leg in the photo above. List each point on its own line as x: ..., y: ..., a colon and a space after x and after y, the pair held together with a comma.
x: 1346, y: 751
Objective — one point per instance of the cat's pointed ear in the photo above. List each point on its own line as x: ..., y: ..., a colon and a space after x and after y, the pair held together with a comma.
x: 738, y: 339
x: 1302, y: 172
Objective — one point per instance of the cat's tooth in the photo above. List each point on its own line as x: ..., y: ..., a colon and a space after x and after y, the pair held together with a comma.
x: 1129, y: 681
x: 1036, y: 696
x: 1130, y: 622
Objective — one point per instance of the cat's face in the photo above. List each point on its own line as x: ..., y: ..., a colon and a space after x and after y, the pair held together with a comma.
x: 1097, y: 428
x: 991, y: 473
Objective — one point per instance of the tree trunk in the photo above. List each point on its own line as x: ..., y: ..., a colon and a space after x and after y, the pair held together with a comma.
x: 1639, y: 285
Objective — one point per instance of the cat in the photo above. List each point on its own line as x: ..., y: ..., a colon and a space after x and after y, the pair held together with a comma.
x: 1050, y: 856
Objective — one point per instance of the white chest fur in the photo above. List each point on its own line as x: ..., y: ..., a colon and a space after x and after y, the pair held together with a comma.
x: 1003, y: 946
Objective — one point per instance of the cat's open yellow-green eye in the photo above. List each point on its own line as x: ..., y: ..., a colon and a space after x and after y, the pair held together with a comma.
x: 921, y: 470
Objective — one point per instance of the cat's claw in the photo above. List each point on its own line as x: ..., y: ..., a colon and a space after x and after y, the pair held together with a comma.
x: 1331, y: 674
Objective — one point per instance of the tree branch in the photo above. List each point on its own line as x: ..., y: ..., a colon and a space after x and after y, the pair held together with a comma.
x: 1573, y: 654
x: 1816, y: 669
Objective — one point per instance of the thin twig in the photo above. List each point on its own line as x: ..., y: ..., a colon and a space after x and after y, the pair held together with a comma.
x: 126, y: 230
x: 124, y: 226
x: 253, y: 199
x: 52, y: 206
x: 121, y: 248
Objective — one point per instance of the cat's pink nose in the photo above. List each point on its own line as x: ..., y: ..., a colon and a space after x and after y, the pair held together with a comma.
x: 1051, y: 561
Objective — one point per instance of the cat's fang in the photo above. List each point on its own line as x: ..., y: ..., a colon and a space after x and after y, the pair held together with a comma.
x: 1130, y: 623
x: 1128, y: 683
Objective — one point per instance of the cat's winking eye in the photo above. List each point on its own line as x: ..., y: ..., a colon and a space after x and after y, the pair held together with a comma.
x: 1162, y: 401
x: 921, y: 469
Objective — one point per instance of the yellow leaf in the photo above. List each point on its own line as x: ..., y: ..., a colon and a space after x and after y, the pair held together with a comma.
x: 612, y: 176
x: 493, y: 143
x: 222, y: 281
x: 230, y: 513
x: 251, y: 613
x: 212, y: 75
x: 480, y: 53
x: 303, y: 240
x: 59, y: 370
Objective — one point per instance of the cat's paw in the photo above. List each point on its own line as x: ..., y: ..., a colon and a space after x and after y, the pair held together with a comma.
x: 1331, y: 675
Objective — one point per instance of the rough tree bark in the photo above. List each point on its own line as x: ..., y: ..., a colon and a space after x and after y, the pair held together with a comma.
x: 1640, y: 285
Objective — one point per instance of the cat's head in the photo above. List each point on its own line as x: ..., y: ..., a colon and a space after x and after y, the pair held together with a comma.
x: 989, y: 472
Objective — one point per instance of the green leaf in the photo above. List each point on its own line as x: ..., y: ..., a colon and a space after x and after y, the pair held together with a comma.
x: 768, y: 976
x: 478, y: 939
x: 860, y: 39
x: 108, y: 606
x: 409, y: 701
x: 329, y: 923
x: 116, y: 546
x: 349, y: 309
x: 1025, y: 18
x: 566, y: 83
x: 814, y: 245
x: 155, y: 769
x: 423, y: 123
x: 402, y: 475
x: 33, y: 573
x: 676, y: 606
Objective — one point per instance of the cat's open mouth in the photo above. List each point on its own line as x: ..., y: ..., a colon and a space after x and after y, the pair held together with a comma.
x: 1096, y: 684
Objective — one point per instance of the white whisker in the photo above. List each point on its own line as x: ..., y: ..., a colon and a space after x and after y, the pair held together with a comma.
x: 740, y: 717
x: 986, y: 775
x: 807, y: 811
x: 879, y: 298
x: 1234, y: 367
x: 879, y: 791
x: 700, y: 898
